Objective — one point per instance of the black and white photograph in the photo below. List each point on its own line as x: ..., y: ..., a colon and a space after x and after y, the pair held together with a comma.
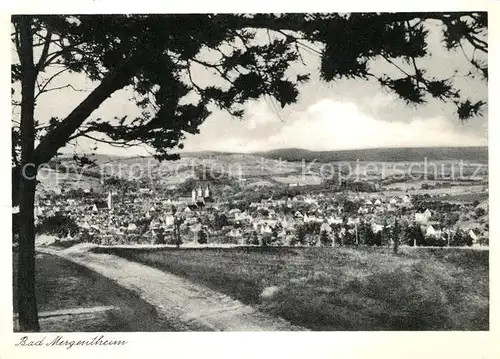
x: 249, y: 172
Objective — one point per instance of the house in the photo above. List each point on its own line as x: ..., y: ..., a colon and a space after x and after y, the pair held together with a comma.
x: 282, y: 234
x: 377, y: 228
x: 235, y: 233
x: 363, y: 210
x: 325, y: 227
x: 422, y: 216
x: 287, y: 223
x: 431, y: 232
x: 184, y: 200
x: 310, y: 200
x: 155, y: 224
x: 334, y: 220
x: 351, y: 221
x: 266, y: 229
x: 241, y: 216
x: 191, y: 208
x: 169, y: 220
x: 86, y: 225
x: 406, y: 199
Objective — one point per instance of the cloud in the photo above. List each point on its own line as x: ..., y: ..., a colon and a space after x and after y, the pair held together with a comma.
x: 331, y: 125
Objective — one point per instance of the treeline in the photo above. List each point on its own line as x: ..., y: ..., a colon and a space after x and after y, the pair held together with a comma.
x: 405, y: 154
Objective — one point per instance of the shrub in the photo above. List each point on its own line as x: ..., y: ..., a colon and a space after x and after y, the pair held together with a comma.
x: 349, y: 238
x: 325, y: 239
x: 67, y: 243
x: 460, y: 238
x: 483, y: 241
x: 480, y: 212
x: 252, y: 239
x: 265, y: 240
x: 202, y: 237
x: 57, y: 225
x: 160, y: 238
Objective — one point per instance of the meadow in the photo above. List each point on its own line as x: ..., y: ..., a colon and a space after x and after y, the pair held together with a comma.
x: 331, y: 289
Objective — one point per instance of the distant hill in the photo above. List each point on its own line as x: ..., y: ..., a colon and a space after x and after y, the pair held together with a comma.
x: 405, y: 154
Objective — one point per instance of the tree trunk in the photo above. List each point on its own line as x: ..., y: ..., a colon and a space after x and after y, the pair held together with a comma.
x: 28, y: 313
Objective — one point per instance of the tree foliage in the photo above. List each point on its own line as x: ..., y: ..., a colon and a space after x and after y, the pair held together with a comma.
x: 58, y: 225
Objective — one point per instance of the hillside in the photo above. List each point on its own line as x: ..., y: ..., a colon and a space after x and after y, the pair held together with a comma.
x: 472, y: 154
x: 282, y: 166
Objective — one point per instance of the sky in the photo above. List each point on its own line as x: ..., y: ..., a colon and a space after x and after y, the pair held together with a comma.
x: 344, y: 114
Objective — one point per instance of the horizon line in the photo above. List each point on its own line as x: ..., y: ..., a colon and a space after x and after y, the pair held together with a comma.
x: 180, y: 152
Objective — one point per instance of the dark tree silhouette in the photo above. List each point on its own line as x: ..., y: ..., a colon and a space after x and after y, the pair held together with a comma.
x: 202, y: 237
x: 155, y: 55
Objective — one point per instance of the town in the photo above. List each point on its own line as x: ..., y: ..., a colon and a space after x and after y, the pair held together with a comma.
x: 142, y: 216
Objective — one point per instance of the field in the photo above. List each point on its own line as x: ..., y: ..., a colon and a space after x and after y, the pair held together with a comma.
x: 64, y: 287
x: 395, y: 169
x: 330, y: 289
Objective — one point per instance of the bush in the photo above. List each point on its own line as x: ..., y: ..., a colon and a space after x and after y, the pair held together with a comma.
x: 252, y: 239
x: 349, y: 238
x: 202, y: 237
x: 483, y: 241
x: 160, y: 238
x: 265, y: 240
x: 67, y: 243
x: 57, y: 225
x: 325, y: 239
x: 460, y: 239
x: 480, y: 212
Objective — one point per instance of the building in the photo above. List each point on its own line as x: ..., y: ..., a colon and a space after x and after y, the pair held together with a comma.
x: 110, y: 201
x: 423, y: 216
x: 200, y: 195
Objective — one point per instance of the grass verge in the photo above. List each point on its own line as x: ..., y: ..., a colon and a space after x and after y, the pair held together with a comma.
x: 341, y: 288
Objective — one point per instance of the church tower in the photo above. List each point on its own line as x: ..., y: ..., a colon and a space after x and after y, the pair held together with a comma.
x: 110, y: 201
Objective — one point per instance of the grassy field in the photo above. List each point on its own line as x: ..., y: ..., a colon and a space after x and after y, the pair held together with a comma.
x: 63, y: 285
x: 342, y: 288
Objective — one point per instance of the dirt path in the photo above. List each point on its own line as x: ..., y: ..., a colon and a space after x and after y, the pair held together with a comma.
x: 192, y: 307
